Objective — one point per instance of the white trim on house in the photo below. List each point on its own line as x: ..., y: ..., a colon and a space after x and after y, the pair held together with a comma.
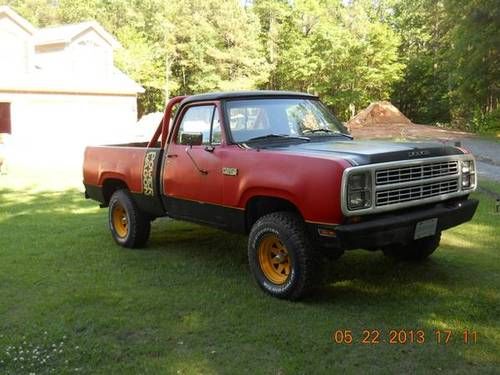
x: 67, y: 33
x: 7, y: 11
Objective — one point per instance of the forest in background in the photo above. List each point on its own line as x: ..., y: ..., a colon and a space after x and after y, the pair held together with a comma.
x: 437, y: 61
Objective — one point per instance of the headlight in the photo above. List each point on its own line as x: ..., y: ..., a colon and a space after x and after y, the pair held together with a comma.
x: 359, y: 191
x: 468, y: 174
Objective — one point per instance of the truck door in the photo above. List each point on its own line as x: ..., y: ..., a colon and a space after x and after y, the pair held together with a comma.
x: 192, y: 178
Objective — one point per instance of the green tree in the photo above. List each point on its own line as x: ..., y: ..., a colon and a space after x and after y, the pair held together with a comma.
x: 339, y: 52
x: 423, y: 93
x: 273, y: 16
x: 452, y: 61
x: 475, y: 72
x: 214, y: 47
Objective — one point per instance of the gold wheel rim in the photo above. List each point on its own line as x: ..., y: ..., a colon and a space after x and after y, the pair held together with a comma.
x: 120, y: 220
x: 274, y: 260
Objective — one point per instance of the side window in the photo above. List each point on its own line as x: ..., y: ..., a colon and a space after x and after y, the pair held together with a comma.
x: 197, y: 120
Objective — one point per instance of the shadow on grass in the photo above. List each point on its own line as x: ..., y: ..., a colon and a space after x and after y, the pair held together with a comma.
x: 15, y: 202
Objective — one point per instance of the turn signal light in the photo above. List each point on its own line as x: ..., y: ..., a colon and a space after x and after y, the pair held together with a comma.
x: 327, y: 232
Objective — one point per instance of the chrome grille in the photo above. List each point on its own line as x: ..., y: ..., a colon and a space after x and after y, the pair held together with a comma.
x: 416, y: 172
x: 416, y: 192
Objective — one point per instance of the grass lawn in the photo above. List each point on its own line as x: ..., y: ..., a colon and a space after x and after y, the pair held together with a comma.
x: 71, y: 301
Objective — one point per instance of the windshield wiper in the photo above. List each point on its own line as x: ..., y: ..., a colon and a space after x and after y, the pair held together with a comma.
x: 326, y: 130
x: 270, y: 136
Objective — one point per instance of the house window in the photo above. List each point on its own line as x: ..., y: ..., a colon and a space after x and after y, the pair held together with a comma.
x: 5, y: 126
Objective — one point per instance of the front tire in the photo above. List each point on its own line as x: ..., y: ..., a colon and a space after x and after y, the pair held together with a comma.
x: 281, y: 256
x: 129, y: 226
x: 416, y: 250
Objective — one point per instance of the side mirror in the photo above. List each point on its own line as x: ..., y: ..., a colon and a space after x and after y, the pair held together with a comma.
x: 191, y: 139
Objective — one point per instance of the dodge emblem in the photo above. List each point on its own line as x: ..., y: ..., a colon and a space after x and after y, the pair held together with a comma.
x: 413, y: 154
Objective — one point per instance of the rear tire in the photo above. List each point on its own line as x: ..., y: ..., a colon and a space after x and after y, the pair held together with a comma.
x: 417, y: 250
x: 129, y: 226
x: 281, y: 256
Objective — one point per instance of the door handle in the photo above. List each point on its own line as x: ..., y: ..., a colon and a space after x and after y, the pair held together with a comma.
x: 171, y: 155
x: 202, y: 171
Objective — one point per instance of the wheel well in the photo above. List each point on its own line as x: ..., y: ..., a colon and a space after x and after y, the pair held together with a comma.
x: 260, y: 206
x: 110, y: 186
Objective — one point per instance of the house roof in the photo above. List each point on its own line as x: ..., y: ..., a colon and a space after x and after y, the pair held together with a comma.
x: 57, y: 80
x: 7, y: 11
x: 67, y: 33
x: 118, y: 83
x: 58, y: 34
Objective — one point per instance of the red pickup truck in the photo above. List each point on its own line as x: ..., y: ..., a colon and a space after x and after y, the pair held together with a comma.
x: 281, y: 168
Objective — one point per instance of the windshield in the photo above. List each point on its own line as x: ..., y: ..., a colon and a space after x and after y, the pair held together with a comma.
x: 258, y: 118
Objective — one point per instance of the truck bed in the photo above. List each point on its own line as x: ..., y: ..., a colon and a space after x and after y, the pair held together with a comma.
x: 122, y: 162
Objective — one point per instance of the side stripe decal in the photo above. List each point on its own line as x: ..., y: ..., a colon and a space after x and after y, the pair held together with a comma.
x: 147, y: 173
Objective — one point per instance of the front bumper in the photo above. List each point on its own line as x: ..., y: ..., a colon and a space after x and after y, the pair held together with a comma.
x: 400, y: 228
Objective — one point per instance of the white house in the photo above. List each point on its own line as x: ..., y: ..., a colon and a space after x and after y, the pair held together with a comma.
x: 59, y: 90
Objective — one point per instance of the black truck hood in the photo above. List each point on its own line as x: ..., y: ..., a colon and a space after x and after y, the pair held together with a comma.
x: 369, y: 152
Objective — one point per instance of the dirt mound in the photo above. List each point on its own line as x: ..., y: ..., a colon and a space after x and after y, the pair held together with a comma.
x: 379, y: 113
